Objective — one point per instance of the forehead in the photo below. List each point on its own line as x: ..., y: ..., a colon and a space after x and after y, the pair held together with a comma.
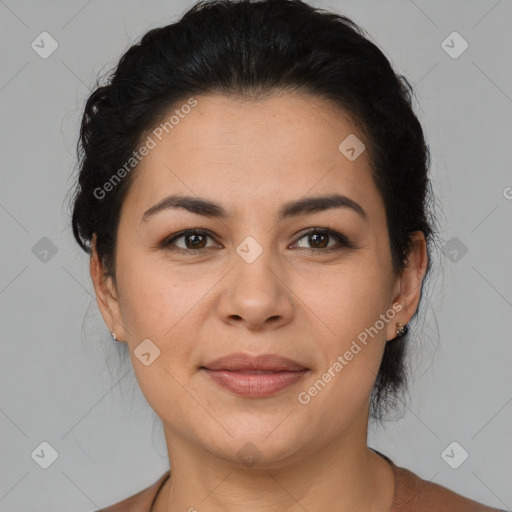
x: 253, y: 151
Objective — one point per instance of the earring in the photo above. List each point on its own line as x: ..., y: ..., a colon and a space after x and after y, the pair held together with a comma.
x: 400, y: 330
x: 113, y: 334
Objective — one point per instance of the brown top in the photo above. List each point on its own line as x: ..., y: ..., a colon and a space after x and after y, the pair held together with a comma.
x: 412, y: 494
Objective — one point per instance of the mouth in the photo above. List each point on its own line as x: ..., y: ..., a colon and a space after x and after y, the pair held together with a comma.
x: 254, y: 376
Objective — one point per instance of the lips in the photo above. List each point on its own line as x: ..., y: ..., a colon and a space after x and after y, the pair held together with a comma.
x: 254, y: 376
x: 241, y: 362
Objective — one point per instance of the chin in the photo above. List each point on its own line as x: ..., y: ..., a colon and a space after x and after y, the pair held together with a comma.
x: 260, y: 443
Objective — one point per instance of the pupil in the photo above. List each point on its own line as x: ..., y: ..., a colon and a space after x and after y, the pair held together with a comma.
x: 315, y: 238
x: 195, y: 237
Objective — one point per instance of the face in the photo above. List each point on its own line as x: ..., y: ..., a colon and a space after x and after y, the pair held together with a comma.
x: 302, y: 281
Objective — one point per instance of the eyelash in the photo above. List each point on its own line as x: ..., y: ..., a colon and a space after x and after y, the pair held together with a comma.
x: 342, y: 240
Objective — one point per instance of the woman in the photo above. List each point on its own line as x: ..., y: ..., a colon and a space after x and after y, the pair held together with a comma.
x: 254, y: 195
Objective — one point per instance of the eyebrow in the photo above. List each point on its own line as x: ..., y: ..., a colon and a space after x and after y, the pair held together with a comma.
x: 295, y: 208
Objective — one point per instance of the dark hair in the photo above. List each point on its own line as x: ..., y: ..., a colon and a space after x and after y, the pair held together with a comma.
x: 252, y: 49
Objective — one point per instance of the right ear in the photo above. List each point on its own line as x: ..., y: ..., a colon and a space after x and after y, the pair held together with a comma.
x: 106, y: 295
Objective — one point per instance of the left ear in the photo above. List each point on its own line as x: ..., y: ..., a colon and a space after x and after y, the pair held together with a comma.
x: 410, y: 281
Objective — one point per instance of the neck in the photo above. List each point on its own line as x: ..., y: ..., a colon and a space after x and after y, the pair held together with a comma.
x: 344, y: 475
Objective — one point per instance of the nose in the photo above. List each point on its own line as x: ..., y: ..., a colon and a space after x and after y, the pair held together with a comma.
x: 256, y: 295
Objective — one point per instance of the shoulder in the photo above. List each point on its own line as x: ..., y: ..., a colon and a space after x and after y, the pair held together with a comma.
x: 140, y: 502
x: 413, y: 494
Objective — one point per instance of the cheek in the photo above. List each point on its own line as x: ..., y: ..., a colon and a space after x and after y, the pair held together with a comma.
x: 154, y: 299
x: 347, y: 300
x: 156, y: 307
x: 353, y: 303
x: 341, y: 384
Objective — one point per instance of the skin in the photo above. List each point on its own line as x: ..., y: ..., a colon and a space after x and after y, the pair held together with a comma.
x: 295, y: 300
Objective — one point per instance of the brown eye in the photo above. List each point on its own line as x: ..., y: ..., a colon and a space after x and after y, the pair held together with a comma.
x: 192, y: 240
x: 319, y: 240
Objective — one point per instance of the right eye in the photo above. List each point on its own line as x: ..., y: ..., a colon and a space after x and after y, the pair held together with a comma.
x: 194, y: 241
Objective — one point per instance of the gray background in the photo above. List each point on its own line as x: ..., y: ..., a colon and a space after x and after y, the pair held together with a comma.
x: 56, y: 352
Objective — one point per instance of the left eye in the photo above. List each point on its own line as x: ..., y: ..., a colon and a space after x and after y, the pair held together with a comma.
x: 319, y: 238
